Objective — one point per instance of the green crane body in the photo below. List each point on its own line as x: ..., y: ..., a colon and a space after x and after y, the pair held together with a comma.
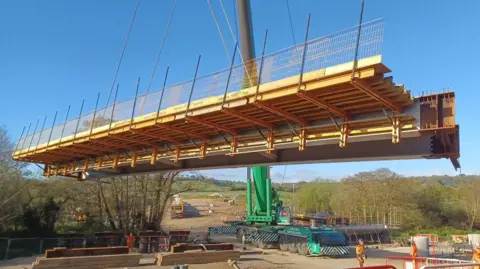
x: 268, y: 222
x: 268, y: 208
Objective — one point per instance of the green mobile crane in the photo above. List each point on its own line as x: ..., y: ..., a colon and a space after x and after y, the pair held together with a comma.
x: 268, y: 223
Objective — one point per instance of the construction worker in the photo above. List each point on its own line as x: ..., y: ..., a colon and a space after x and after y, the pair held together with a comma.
x: 476, y: 256
x: 360, y: 251
x: 130, y: 239
x: 414, y: 253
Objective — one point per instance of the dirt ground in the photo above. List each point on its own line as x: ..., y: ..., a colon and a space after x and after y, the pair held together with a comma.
x: 198, y: 219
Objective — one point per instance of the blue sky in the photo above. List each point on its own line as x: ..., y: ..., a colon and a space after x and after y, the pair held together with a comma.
x: 55, y: 53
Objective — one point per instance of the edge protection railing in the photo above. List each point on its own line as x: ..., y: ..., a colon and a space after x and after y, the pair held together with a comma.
x: 321, y: 52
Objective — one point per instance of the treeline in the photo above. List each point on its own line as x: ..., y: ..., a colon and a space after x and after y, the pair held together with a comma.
x: 383, y: 196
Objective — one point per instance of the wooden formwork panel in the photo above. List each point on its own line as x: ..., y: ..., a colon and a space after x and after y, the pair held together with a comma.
x: 84, y: 262
x: 73, y: 252
x: 201, y: 257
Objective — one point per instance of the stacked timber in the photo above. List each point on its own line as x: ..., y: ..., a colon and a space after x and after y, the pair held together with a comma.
x: 88, y: 262
x: 189, y: 247
x: 75, y: 252
x: 201, y: 257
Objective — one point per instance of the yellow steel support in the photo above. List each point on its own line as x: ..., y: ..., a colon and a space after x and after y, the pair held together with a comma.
x: 302, y: 140
x: 344, y: 132
x: 99, y: 163
x: 234, y: 146
x: 177, y: 154
x: 133, y: 164
x: 153, y: 160
x: 55, y: 171
x: 270, y: 142
x: 395, y: 130
x: 203, y: 149
x: 115, y: 161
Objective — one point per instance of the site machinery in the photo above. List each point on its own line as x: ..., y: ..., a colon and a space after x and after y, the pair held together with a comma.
x: 268, y: 224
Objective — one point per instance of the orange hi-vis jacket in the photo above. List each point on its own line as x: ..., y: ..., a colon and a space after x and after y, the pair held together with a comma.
x: 360, y: 250
x: 414, y: 251
x: 476, y: 255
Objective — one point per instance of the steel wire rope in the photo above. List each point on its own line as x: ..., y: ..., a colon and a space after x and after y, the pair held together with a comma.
x: 121, y: 55
x: 160, y: 52
x: 291, y: 22
x: 223, y: 39
x: 235, y: 39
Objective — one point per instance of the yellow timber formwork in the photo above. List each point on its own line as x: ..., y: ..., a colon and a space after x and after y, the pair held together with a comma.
x: 174, y: 133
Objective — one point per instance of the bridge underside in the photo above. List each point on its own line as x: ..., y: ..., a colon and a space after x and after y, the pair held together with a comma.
x: 332, y: 117
x: 379, y: 149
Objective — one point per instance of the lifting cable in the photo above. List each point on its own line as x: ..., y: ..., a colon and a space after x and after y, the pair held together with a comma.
x: 123, y: 52
x: 218, y: 28
x: 152, y: 76
x: 161, y: 46
x: 291, y: 23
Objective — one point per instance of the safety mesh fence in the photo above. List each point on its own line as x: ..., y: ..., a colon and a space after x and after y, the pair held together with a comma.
x: 322, y: 52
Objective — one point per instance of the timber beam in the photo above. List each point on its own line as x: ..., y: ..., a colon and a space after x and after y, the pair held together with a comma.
x: 104, y: 143
x: 212, y: 125
x: 131, y: 140
x: 280, y: 112
x: 364, y: 87
x: 156, y: 136
x: 321, y: 103
x: 179, y: 130
x: 244, y: 117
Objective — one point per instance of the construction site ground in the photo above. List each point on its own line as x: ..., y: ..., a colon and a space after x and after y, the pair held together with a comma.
x: 197, y: 219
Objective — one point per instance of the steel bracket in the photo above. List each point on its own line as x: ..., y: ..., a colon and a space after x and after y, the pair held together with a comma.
x: 203, y: 150
x: 270, y: 142
x: 344, y: 131
x: 302, y: 143
x: 234, y: 146
x: 396, y: 130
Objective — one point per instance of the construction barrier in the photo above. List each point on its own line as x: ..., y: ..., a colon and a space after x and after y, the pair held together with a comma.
x: 222, y: 230
x: 423, y: 262
x: 387, y: 266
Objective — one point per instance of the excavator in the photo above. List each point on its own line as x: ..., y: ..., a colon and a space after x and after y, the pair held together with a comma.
x: 268, y: 224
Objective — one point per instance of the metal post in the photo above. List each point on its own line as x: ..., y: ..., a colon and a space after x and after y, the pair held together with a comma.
x: 113, y: 109
x: 135, y: 102
x: 33, y: 134
x: 302, y: 66
x: 65, y: 123
x: 8, y: 249
x: 268, y: 196
x: 259, y: 79
x: 163, y: 90
x: 193, y: 85
x: 229, y: 74
x: 51, y: 131
x: 78, y: 122
x: 20, y: 139
x: 94, y: 114
x: 249, y: 191
x: 358, y: 40
x: 41, y: 246
x: 25, y: 139
x: 41, y: 131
